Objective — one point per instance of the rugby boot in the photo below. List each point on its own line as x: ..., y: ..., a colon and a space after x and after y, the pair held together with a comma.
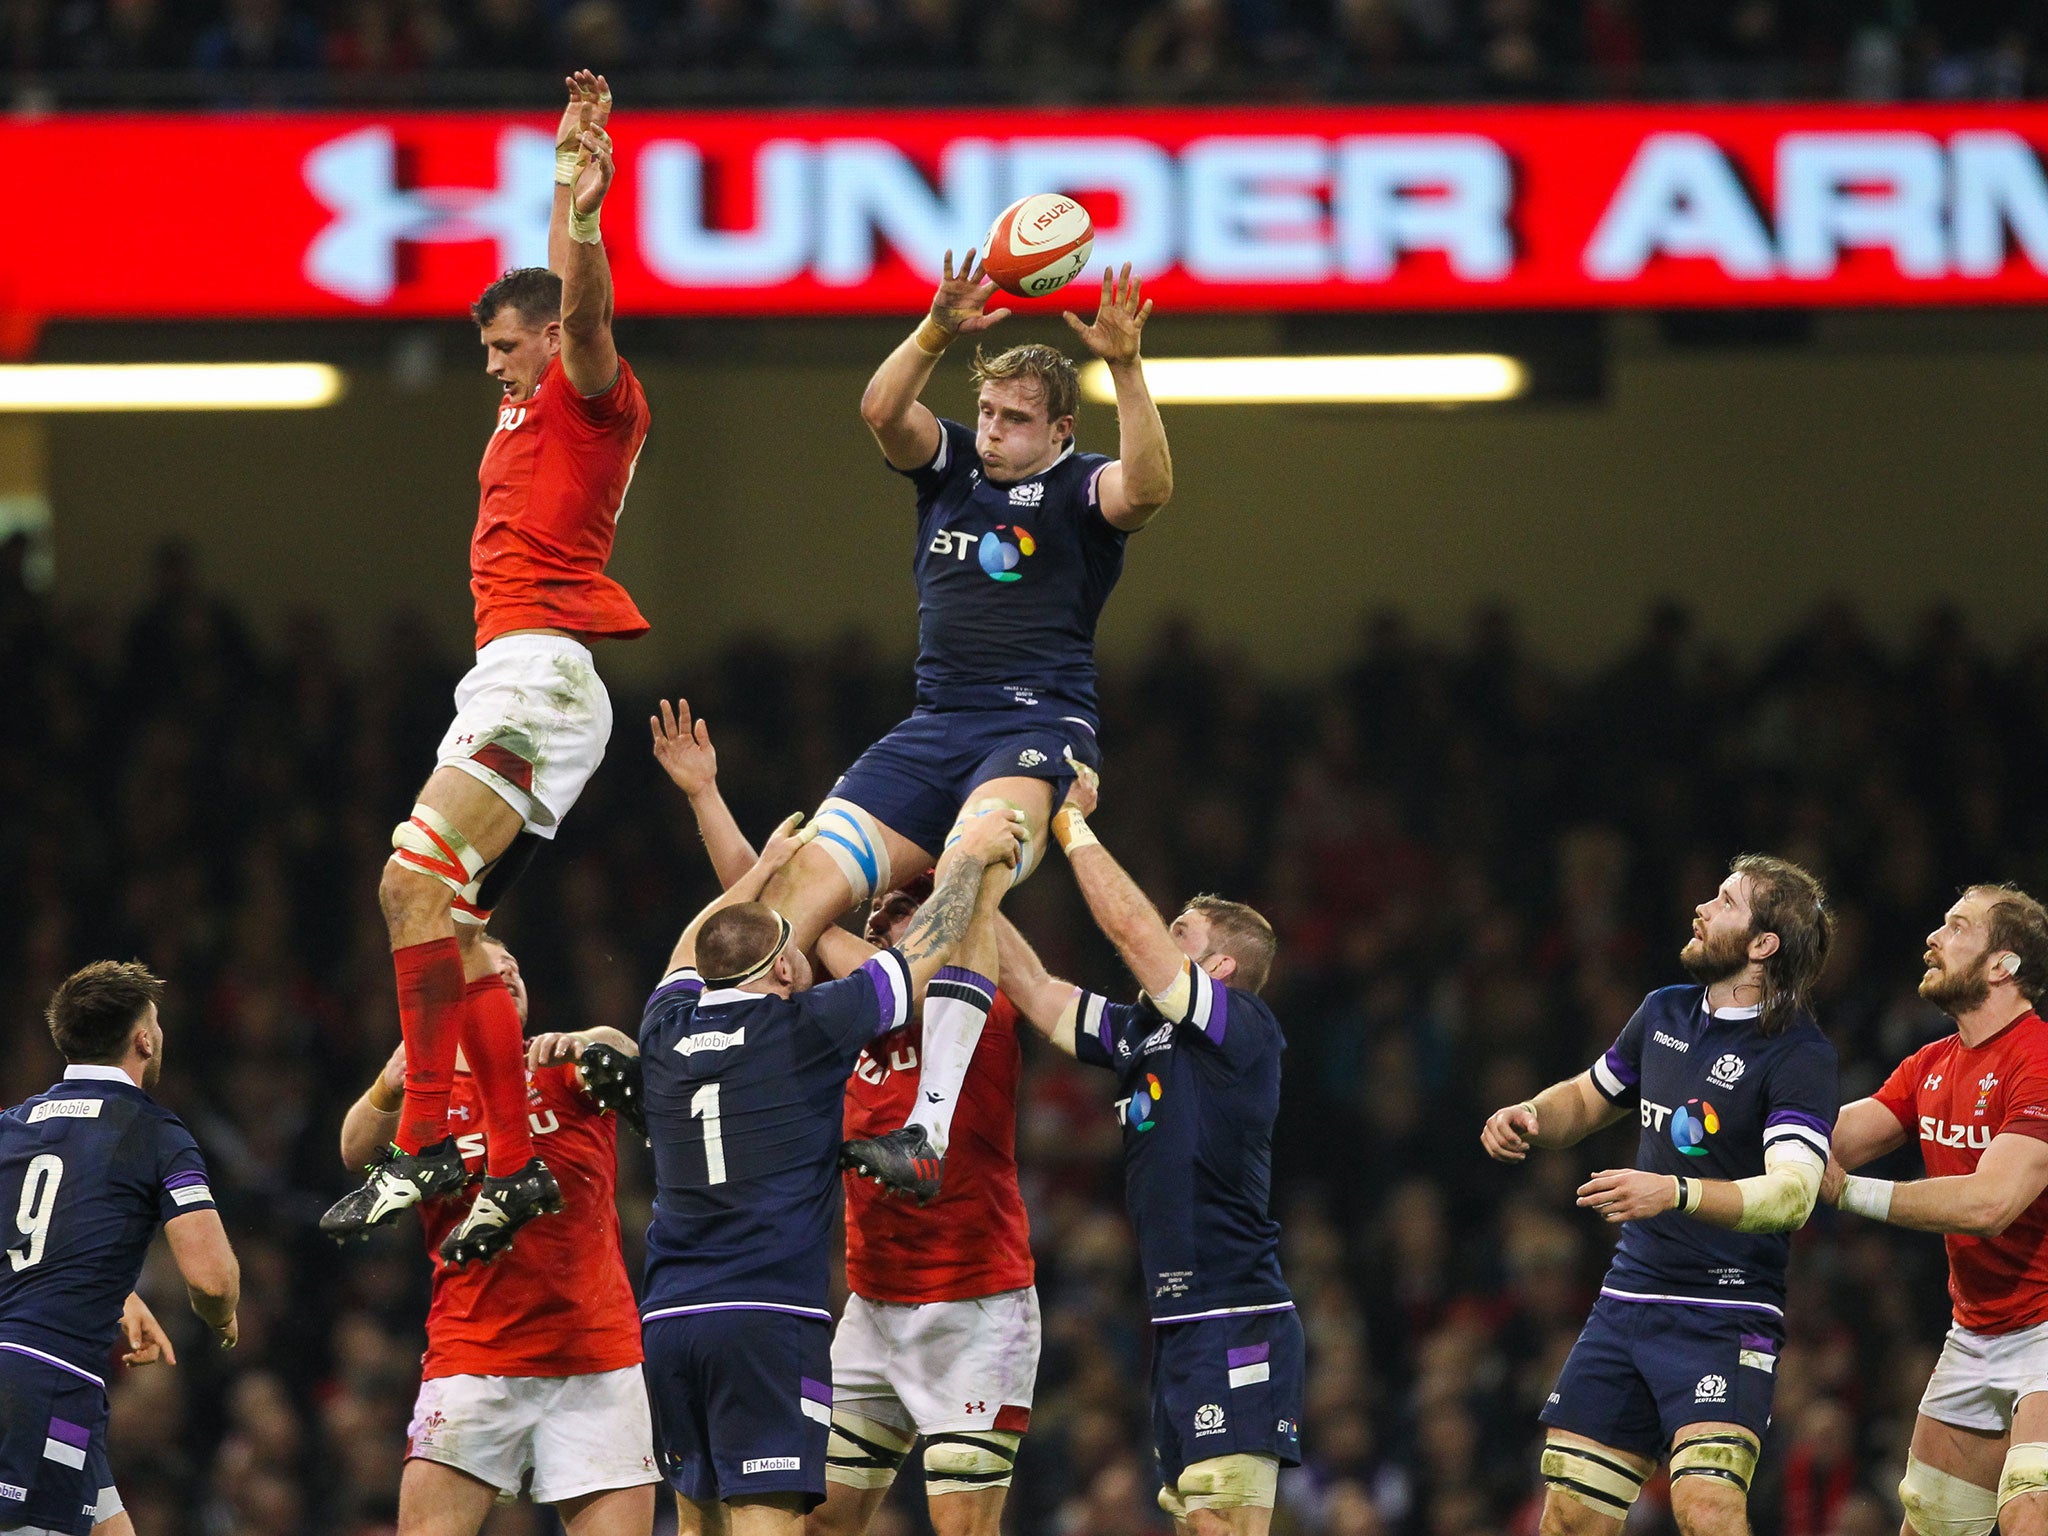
x: 502, y: 1207
x: 905, y: 1161
x: 613, y: 1079
x: 398, y: 1181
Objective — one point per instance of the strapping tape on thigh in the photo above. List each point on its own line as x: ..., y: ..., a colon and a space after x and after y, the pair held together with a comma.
x: 1603, y: 1483
x: 854, y: 839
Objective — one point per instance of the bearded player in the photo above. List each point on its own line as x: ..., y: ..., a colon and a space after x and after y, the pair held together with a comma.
x: 1736, y: 1091
x: 1197, y: 1060
x: 940, y: 1337
x: 1976, y: 1101
x: 533, y: 1362
x: 1020, y: 539
x: 532, y: 717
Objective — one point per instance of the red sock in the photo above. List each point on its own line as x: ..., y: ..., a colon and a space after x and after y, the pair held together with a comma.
x: 496, y: 1050
x: 430, y: 984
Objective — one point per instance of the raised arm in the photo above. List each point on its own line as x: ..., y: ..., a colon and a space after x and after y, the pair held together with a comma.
x: 970, y: 881
x: 683, y: 748
x: 590, y: 358
x: 213, y: 1279
x: 590, y: 105
x: 1047, y: 1002
x: 1124, y: 913
x: 372, y: 1120
x: 904, y: 426
x: 1140, y: 482
x: 1562, y: 1115
x: 782, y: 847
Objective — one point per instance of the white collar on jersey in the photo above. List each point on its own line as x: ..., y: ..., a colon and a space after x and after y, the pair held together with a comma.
x: 1752, y: 1011
x: 99, y: 1074
x: 721, y: 997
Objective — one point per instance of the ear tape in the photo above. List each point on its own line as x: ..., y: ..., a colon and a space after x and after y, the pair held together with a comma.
x: 2009, y: 966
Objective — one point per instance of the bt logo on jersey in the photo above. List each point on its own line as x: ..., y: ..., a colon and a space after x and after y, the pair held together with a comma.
x: 1137, y: 1109
x: 1691, y: 1123
x: 1001, y: 556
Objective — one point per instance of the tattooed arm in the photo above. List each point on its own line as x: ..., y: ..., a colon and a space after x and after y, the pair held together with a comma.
x: 971, y: 880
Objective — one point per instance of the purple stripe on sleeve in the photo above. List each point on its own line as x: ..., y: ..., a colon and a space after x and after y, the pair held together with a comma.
x: 816, y: 1391
x: 68, y: 1433
x: 1251, y: 1354
x: 965, y: 977
x: 1794, y: 1117
x: 180, y: 1180
x: 1622, y: 1067
x: 883, y: 976
x: 1758, y: 1341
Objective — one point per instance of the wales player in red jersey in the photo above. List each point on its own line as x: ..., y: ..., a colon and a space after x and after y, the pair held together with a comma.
x: 532, y: 1363
x: 940, y: 1337
x: 532, y: 717
x: 1976, y: 1103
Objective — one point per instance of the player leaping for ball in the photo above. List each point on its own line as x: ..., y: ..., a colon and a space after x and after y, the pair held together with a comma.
x: 1736, y: 1092
x: 1020, y: 538
x: 532, y: 716
x: 1976, y: 1101
x: 940, y: 1336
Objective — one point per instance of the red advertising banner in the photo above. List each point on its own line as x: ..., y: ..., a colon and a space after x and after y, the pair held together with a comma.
x: 793, y: 213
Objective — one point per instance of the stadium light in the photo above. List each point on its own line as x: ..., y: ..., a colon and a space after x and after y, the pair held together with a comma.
x: 1436, y: 378
x: 168, y: 386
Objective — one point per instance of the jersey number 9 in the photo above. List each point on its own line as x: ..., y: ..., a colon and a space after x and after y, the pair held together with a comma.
x: 38, y: 1200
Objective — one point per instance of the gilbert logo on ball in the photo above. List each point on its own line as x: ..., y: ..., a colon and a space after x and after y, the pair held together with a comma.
x: 1038, y: 244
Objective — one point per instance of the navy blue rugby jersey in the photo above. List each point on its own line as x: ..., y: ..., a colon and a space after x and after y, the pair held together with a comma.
x: 1713, y: 1092
x: 1010, y: 580
x: 745, y: 1094
x: 89, y: 1169
x: 1200, y: 1095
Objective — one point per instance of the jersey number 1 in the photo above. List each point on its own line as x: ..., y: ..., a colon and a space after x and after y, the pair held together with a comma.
x: 704, y: 1106
x: 38, y: 1200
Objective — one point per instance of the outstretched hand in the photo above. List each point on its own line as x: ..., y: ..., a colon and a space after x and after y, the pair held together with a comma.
x: 1119, y: 319
x: 590, y: 106
x: 683, y: 748
x: 1085, y: 793
x: 961, y: 303
x: 786, y: 841
x: 595, y: 177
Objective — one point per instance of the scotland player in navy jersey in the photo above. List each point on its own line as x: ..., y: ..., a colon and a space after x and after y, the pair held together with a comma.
x: 1020, y: 539
x: 89, y: 1169
x: 1197, y: 1060
x: 745, y: 1066
x: 1736, y: 1094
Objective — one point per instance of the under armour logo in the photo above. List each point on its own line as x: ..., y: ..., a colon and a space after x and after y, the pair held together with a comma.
x: 1933, y: 1081
x: 355, y: 177
x: 976, y: 1407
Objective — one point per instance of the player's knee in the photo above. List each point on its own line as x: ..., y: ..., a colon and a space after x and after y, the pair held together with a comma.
x: 431, y: 864
x: 1710, y: 1478
x: 1029, y: 849
x: 1702, y: 1510
x: 1939, y: 1503
x: 970, y: 1460
x: 854, y: 841
x: 980, y: 1515
x: 1586, y: 1486
x: 1220, y: 1490
x: 862, y: 1453
x: 2023, y: 1490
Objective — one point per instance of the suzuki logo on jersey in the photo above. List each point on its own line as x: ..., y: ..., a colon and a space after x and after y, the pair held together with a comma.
x: 1942, y: 1134
x: 902, y: 1058
x: 1726, y: 1072
x: 1000, y: 556
x: 1029, y: 494
x: 1691, y: 1123
x: 1712, y: 1389
x: 471, y: 1146
x: 511, y: 417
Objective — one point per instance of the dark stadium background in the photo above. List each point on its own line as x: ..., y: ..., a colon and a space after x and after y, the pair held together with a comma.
x: 1475, y: 704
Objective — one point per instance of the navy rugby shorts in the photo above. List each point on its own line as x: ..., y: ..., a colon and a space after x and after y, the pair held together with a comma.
x: 742, y: 1402
x: 1644, y: 1370
x: 1227, y: 1386
x: 915, y: 779
x: 53, y: 1445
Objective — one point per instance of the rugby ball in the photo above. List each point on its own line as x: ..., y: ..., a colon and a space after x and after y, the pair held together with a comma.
x: 1038, y: 244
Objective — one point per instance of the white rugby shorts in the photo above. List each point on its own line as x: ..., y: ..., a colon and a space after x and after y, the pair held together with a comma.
x: 578, y: 1434
x: 937, y: 1366
x: 1981, y: 1376
x: 531, y: 721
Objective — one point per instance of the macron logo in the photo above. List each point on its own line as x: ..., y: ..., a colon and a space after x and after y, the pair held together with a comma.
x: 710, y: 1040
x: 1673, y: 1041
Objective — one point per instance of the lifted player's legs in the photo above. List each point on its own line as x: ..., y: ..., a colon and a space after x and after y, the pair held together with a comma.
x: 850, y: 860
x: 450, y: 996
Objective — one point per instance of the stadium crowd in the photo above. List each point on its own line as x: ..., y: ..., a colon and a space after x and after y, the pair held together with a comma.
x: 1477, y: 863
x: 1028, y: 49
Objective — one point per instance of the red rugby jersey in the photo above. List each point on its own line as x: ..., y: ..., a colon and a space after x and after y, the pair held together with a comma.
x: 553, y: 481
x: 973, y: 1239
x: 1954, y: 1098
x: 558, y: 1303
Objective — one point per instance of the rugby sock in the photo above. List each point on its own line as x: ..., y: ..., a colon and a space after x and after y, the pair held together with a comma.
x: 956, y: 1005
x: 430, y: 987
x: 495, y: 1048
